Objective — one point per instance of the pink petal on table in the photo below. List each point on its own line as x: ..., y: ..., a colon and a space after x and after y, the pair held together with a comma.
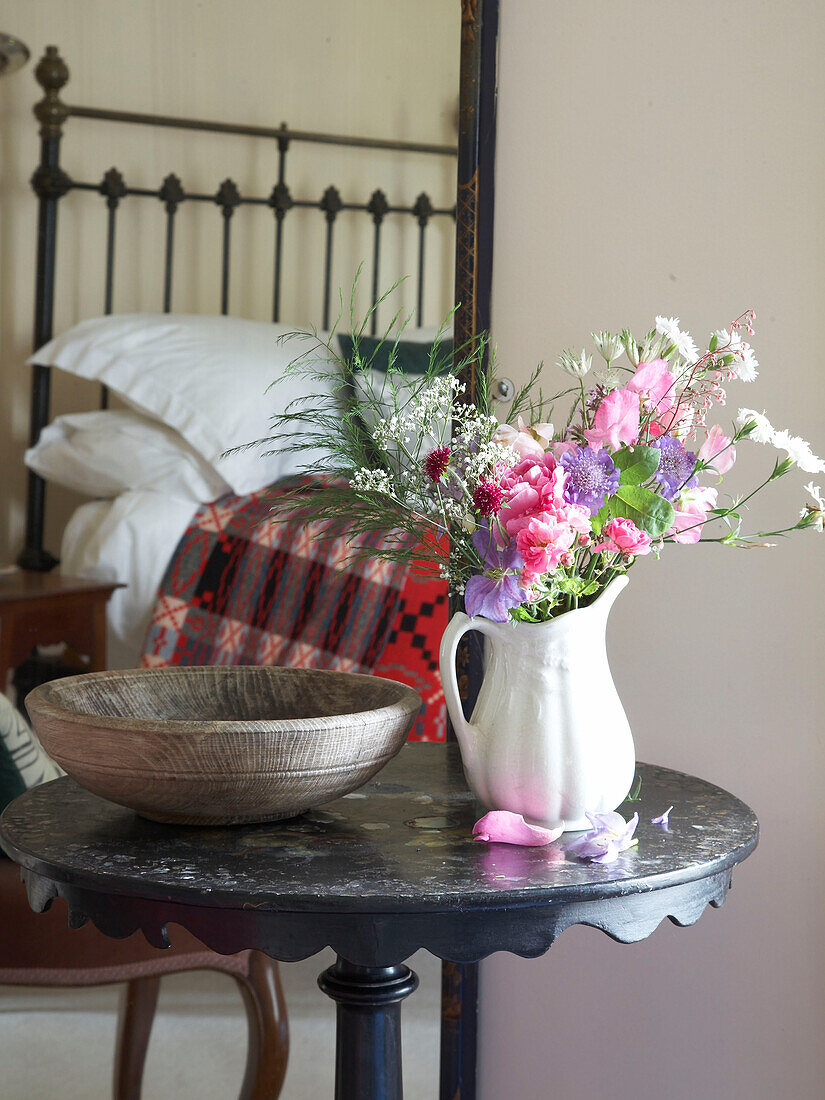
x: 504, y: 827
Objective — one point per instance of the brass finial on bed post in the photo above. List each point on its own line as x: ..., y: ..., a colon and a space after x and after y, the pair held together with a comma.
x: 51, y: 74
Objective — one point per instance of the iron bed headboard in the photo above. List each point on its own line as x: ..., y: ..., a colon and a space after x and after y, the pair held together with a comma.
x: 51, y: 182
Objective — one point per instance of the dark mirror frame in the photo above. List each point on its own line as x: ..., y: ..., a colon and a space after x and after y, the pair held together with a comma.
x: 473, y: 296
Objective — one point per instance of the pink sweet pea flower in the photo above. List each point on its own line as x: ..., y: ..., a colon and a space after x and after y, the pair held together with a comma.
x: 622, y: 536
x: 654, y: 384
x: 717, y: 450
x: 526, y: 440
x: 616, y: 421
x: 691, y: 511
x: 505, y: 827
x: 543, y: 542
x: 562, y: 448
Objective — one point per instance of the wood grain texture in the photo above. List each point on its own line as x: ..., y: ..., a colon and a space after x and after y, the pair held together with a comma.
x: 222, y: 745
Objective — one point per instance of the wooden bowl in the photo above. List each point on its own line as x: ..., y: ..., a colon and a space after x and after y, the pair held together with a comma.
x: 222, y: 745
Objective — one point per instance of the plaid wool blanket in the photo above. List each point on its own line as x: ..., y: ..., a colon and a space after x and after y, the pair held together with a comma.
x: 242, y: 590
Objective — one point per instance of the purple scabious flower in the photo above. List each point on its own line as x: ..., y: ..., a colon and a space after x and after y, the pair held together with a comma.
x: 676, y: 465
x: 493, y: 592
x: 591, y: 477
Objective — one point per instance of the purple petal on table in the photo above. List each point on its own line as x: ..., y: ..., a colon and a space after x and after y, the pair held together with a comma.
x: 610, y: 835
x: 610, y: 822
x: 592, y: 845
x: 662, y: 819
x: 504, y: 827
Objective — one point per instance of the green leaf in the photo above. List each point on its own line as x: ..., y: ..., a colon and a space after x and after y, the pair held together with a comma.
x: 637, y: 463
x: 648, y: 510
x: 600, y: 519
x: 714, y: 343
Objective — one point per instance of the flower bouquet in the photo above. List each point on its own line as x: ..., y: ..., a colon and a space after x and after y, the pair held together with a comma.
x: 536, y: 522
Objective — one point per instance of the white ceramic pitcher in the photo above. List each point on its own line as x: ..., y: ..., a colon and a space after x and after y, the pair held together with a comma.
x: 548, y: 738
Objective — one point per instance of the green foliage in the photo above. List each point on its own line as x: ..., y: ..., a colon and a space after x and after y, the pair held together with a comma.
x: 647, y: 509
x: 637, y: 464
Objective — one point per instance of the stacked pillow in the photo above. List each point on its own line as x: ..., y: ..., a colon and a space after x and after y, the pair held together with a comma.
x: 198, y: 387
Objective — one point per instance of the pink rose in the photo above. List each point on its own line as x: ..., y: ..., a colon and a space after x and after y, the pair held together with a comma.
x: 616, y: 421
x: 691, y: 510
x: 717, y: 450
x: 654, y: 384
x: 532, y: 487
x: 543, y: 542
x: 622, y: 536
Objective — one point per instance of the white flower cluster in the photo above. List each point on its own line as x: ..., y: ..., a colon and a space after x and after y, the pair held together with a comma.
x: 426, y: 413
x: 392, y: 429
x: 685, y: 345
x: 433, y: 400
x: 474, y: 439
x: 454, y: 586
x: 371, y: 481
x: 745, y: 363
x: 796, y: 448
x: 483, y: 460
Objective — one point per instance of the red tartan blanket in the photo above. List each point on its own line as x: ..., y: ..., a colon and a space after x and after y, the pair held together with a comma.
x: 242, y: 590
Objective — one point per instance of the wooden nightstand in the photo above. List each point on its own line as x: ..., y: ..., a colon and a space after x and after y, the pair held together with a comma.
x: 47, y: 608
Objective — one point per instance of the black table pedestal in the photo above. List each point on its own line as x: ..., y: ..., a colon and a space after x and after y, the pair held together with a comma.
x: 368, y: 1035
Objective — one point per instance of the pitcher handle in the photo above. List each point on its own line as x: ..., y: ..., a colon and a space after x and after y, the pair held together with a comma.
x: 457, y: 627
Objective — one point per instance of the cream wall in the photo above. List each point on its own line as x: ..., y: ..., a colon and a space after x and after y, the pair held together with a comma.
x: 670, y: 158
x: 380, y: 68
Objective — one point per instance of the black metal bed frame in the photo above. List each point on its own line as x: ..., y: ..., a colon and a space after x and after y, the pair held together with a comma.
x: 51, y: 182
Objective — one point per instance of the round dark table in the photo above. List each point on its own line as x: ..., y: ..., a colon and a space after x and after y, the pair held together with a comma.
x: 375, y: 875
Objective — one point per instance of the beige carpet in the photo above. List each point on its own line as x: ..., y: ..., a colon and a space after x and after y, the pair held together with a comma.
x: 60, y: 1042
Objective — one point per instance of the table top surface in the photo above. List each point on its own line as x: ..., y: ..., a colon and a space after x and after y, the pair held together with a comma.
x: 26, y: 585
x: 403, y: 843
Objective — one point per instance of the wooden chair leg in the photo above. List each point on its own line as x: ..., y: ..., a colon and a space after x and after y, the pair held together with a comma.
x: 268, y: 1029
x: 134, y: 1028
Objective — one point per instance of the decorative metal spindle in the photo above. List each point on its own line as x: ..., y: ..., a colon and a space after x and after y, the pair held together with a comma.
x: 378, y: 207
x: 227, y: 199
x: 113, y: 188
x: 171, y: 194
x: 280, y: 200
x: 422, y: 210
x: 331, y: 205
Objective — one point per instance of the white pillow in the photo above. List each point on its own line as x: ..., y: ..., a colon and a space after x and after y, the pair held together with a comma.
x: 105, y: 453
x: 204, y: 376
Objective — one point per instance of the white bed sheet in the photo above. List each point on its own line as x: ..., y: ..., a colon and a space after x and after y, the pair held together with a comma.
x: 130, y: 539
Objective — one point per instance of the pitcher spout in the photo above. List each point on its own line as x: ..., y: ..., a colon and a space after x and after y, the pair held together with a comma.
x: 608, y: 597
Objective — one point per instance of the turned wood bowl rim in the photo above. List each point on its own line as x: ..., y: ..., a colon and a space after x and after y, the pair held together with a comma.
x: 38, y: 703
